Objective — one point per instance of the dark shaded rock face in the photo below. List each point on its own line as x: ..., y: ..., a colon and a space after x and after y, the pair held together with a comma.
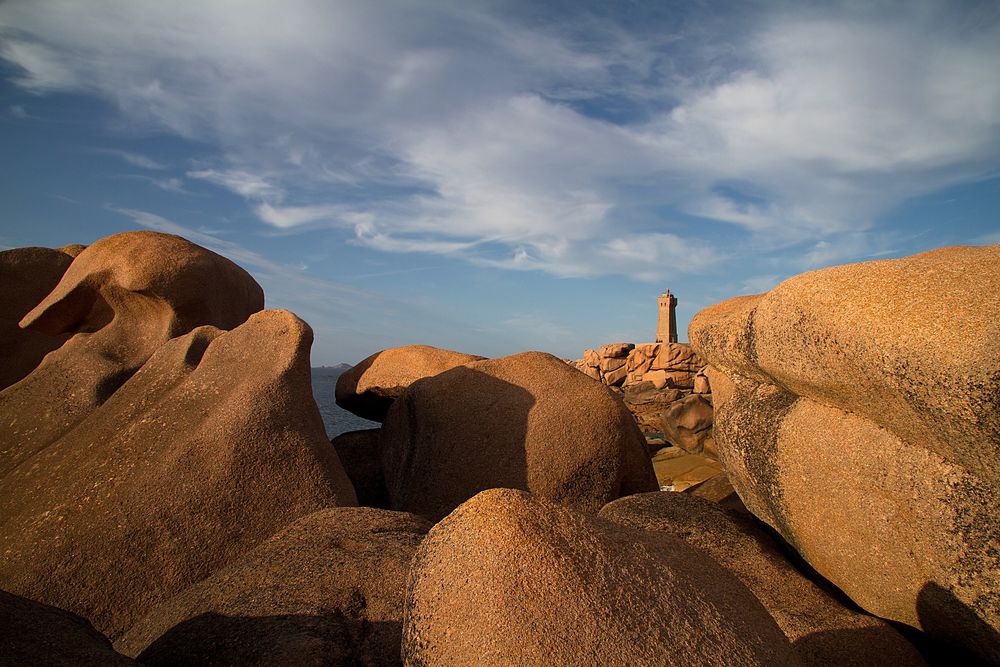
x: 26, y: 276
x: 857, y: 412
x: 822, y: 631
x: 510, y: 579
x: 32, y: 633
x: 148, y: 450
x: 370, y: 387
x: 528, y: 421
x: 359, y: 454
x: 326, y: 590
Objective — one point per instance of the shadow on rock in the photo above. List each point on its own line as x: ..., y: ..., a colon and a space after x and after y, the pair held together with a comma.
x: 325, y: 639
x: 27, y: 276
x: 359, y: 454
x: 451, y: 436
x: 529, y: 421
x: 946, y: 621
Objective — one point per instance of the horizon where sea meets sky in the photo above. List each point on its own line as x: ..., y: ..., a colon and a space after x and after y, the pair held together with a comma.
x: 493, y: 177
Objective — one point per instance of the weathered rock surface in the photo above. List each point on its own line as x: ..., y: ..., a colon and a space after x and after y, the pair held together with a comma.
x: 207, y: 450
x: 822, y: 631
x: 370, y: 387
x: 327, y: 589
x: 358, y: 452
x: 528, y: 421
x: 857, y: 412
x: 512, y: 579
x: 652, y: 378
x: 677, y: 357
x: 701, y: 383
x: 32, y: 633
x: 647, y: 403
x: 27, y: 275
x: 616, y: 350
x: 72, y: 249
x: 611, y: 364
x: 616, y: 377
x: 119, y: 300
x: 687, y: 423
x: 718, y: 489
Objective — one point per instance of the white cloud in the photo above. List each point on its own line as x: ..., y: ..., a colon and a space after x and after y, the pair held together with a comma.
x: 654, y: 257
x: 518, y: 168
x: 368, y: 235
x: 463, y: 131
x: 135, y: 159
x: 167, y: 184
x: 243, y: 183
x: 44, y: 69
x: 839, y: 120
x: 286, y: 217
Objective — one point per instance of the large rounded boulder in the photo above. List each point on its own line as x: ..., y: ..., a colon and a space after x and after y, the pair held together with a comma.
x: 857, y: 411
x: 117, y: 303
x: 822, y: 630
x: 511, y: 579
x: 210, y: 448
x: 370, y: 387
x: 328, y: 589
x: 529, y: 421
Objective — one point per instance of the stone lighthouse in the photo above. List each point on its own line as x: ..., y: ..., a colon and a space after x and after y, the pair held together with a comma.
x: 666, y: 326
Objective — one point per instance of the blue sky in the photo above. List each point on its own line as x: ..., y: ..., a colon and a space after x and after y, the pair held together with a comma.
x: 499, y: 176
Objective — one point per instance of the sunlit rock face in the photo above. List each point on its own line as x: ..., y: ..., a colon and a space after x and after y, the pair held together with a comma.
x: 157, y: 443
x: 857, y: 411
x: 822, y: 630
x: 368, y: 388
x: 118, y: 301
x: 508, y: 578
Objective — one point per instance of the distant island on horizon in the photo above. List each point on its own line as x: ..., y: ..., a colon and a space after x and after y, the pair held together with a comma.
x: 338, y: 368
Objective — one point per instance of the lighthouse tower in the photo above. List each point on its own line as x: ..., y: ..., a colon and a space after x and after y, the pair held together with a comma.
x: 666, y: 326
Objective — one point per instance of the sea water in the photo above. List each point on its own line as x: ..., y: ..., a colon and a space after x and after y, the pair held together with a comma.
x: 336, y: 419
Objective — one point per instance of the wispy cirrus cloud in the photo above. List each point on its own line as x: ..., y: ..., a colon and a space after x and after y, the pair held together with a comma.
x: 134, y: 159
x: 286, y: 217
x: 244, y: 183
x: 167, y: 183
